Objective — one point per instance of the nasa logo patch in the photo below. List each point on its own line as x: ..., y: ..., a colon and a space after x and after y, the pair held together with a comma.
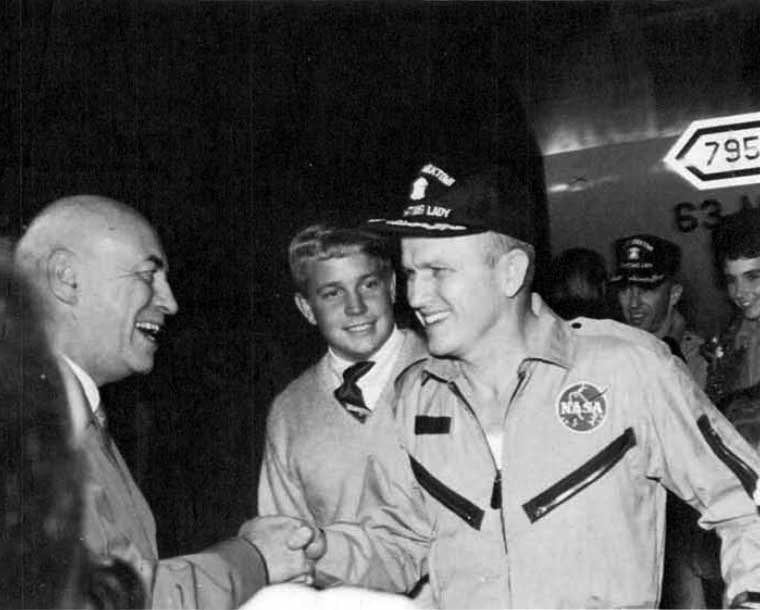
x: 582, y: 407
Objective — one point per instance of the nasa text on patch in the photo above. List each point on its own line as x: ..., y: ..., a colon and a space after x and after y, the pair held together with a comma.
x: 582, y: 406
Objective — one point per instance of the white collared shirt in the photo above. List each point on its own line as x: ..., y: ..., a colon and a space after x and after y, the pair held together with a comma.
x: 88, y: 384
x: 373, y: 382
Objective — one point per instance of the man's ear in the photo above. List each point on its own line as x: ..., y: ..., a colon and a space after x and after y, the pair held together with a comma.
x: 61, y: 275
x: 514, y: 265
x: 392, y: 286
x: 305, y: 308
x: 676, y: 290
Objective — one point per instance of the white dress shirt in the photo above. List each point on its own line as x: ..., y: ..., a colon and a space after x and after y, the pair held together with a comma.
x: 373, y: 382
x: 80, y: 413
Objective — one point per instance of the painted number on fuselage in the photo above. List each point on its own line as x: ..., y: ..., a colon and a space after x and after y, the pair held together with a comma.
x: 689, y: 216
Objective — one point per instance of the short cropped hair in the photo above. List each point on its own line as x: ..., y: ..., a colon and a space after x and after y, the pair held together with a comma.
x: 737, y: 236
x: 497, y: 244
x: 325, y: 241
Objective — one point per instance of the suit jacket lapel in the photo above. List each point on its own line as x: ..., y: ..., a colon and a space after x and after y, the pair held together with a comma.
x: 108, y: 470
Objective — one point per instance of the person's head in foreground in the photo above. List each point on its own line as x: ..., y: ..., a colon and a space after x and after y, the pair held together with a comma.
x: 42, y: 562
x: 40, y: 559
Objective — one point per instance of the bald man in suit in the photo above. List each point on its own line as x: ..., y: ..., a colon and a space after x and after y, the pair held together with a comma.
x: 103, y: 279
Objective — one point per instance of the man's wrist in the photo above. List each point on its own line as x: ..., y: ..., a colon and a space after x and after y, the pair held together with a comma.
x: 261, y: 556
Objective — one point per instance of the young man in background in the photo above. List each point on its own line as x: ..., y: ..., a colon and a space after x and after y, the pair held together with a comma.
x: 327, y: 423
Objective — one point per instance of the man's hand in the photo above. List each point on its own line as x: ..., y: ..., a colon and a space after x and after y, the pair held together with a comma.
x: 317, y: 546
x: 289, y: 546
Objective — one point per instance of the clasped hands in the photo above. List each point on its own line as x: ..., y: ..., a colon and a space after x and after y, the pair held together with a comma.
x: 290, y: 546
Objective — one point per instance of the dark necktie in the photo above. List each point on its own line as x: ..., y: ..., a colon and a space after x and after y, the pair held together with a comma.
x: 102, y: 426
x: 349, y: 394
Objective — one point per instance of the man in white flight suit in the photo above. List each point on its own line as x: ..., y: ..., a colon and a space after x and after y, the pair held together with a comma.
x: 534, y: 454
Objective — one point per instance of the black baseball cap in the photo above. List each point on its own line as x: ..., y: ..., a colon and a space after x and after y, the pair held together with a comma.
x: 446, y: 202
x: 645, y: 259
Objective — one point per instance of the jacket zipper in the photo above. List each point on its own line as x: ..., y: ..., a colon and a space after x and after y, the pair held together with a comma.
x: 579, y: 479
x: 459, y: 505
x: 496, y: 499
x: 458, y: 393
x: 747, y: 477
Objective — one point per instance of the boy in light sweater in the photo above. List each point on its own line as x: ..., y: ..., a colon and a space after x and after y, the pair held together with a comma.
x: 325, y: 425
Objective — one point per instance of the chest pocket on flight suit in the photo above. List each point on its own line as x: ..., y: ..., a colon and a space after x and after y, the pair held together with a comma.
x: 469, y: 512
x: 590, y: 472
x: 456, y: 503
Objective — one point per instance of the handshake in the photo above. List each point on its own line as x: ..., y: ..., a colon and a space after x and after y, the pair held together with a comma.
x: 290, y: 547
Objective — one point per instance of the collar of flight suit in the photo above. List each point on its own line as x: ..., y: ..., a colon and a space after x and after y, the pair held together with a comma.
x: 548, y: 341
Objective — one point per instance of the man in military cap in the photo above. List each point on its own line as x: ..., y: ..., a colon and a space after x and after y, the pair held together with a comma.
x: 648, y: 292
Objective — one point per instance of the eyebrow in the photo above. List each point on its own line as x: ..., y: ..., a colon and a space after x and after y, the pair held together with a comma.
x: 427, y: 264
x: 333, y: 283
x: 742, y: 273
x: 157, y: 261
x: 339, y: 283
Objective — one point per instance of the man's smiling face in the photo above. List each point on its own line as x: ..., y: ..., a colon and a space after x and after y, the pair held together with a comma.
x: 123, y: 299
x: 350, y: 299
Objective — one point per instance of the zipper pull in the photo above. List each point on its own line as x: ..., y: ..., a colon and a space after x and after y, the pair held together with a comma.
x: 496, y: 493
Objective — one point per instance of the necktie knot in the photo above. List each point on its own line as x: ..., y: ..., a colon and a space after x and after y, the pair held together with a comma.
x: 350, y: 394
x: 356, y: 371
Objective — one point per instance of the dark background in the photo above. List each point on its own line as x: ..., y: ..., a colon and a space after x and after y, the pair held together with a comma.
x: 231, y: 125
